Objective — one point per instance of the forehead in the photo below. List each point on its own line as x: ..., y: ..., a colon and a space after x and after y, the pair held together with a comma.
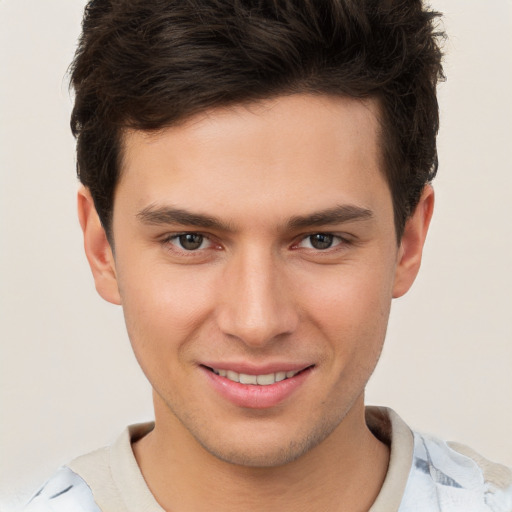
x: 276, y: 156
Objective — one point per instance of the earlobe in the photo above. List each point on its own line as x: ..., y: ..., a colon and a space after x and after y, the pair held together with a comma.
x: 97, y: 249
x: 411, y: 246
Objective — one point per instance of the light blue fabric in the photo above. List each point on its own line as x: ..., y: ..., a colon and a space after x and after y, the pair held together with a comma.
x: 443, y: 480
x: 64, y: 492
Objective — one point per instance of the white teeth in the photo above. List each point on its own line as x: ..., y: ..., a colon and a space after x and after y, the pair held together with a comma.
x: 248, y: 379
x: 231, y: 375
x: 280, y: 376
x: 261, y: 380
x: 265, y: 380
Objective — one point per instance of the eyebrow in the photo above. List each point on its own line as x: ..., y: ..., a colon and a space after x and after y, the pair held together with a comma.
x: 156, y: 215
x: 161, y: 215
x: 337, y: 215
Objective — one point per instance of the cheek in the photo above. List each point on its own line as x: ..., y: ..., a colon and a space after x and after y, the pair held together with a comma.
x: 162, y: 308
x: 351, y: 307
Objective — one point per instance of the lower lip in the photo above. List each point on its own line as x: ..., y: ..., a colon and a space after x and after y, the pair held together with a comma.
x: 254, y: 396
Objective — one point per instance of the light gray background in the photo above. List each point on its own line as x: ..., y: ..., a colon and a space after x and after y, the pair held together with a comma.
x: 69, y: 382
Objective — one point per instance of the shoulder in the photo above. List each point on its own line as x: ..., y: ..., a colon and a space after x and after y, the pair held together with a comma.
x: 105, y: 479
x: 452, y: 477
x: 64, y: 492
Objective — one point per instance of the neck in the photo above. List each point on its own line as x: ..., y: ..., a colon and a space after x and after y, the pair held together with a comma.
x: 344, y: 472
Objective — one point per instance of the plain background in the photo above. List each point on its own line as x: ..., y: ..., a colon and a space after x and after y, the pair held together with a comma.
x: 69, y: 382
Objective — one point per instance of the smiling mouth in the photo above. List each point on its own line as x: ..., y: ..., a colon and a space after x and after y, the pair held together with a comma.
x: 256, y: 380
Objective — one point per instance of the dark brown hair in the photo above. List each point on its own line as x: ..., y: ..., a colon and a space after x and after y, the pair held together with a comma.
x: 147, y: 64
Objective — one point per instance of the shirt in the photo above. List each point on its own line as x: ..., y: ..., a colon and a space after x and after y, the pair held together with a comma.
x: 425, y: 474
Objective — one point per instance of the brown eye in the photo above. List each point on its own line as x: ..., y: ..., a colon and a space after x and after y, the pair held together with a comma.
x: 190, y: 241
x: 321, y: 241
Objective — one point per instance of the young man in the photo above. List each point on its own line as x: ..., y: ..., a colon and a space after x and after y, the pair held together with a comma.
x: 256, y: 191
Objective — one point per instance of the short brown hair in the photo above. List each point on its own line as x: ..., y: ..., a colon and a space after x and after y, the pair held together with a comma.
x: 147, y: 64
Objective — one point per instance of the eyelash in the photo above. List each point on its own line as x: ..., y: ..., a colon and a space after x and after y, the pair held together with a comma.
x: 337, y: 240
x: 168, y: 240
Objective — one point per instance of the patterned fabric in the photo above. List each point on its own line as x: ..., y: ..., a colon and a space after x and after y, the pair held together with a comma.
x: 442, y: 477
x: 64, y: 492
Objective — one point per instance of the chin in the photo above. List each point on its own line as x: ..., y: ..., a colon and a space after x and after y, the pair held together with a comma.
x: 259, y: 456
x: 267, y: 449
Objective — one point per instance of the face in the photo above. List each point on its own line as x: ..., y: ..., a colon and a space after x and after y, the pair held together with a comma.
x: 255, y: 260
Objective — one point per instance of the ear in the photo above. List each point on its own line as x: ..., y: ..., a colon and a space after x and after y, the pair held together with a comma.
x: 97, y: 248
x: 411, y: 245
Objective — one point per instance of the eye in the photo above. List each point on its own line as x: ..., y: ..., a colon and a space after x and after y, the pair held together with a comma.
x: 320, y: 241
x: 190, y: 241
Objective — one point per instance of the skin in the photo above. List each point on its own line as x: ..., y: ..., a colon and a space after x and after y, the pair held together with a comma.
x: 257, y: 292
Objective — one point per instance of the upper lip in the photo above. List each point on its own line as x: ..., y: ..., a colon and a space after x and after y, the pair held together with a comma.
x: 254, y: 369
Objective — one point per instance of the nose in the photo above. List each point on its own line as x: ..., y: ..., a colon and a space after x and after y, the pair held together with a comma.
x: 256, y: 303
